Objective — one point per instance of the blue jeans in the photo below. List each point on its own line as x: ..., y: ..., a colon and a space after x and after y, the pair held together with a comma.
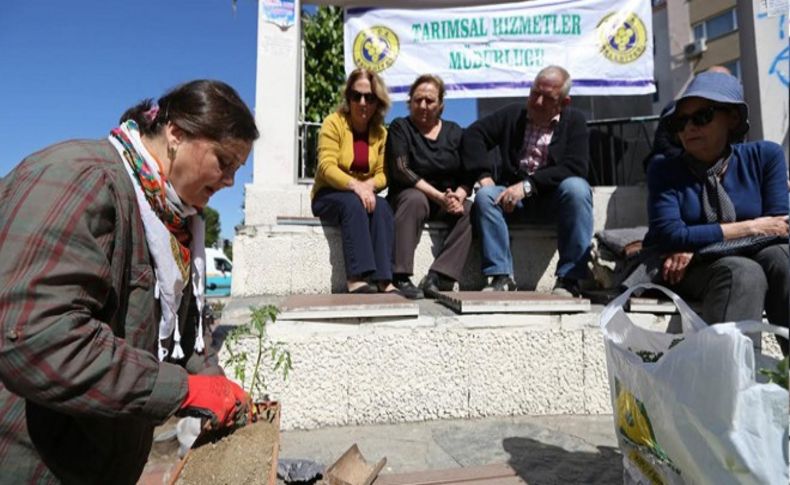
x: 570, y: 206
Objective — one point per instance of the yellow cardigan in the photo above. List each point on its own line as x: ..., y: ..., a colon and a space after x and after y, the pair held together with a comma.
x: 336, y: 153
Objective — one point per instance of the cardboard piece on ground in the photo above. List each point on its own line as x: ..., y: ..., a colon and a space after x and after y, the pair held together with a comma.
x: 322, y: 307
x: 512, y: 302
x: 353, y: 469
x: 495, y: 474
x: 298, y: 221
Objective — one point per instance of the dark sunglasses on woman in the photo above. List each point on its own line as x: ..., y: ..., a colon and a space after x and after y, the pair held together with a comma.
x: 356, y: 96
x: 701, y: 117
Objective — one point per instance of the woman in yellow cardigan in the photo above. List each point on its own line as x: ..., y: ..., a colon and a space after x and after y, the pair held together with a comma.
x: 350, y: 173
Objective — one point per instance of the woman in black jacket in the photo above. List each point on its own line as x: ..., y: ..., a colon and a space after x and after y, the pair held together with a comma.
x: 426, y: 181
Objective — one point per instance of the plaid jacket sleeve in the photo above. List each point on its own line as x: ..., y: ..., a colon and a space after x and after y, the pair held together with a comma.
x: 59, y: 226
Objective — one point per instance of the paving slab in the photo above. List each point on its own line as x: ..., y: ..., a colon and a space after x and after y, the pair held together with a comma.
x: 407, y: 447
x: 323, y: 307
x: 511, y: 302
x: 495, y: 474
x: 541, y: 449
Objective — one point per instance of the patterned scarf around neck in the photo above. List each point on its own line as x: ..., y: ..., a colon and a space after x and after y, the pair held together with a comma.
x: 175, y: 239
x: 159, y: 193
x: 716, y: 203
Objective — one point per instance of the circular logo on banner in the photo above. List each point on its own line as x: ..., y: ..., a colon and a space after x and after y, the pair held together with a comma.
x: 623, y: 37
x: 376, y: 48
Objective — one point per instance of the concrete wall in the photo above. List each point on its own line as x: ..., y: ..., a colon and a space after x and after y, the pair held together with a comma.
x: 765, y: 62
x: 701, y: 10
x: 444, y: 367
x: 671, y: 27
x: 720, y: 51
x: 286, y: 259
x: 661, y: 57
x: 440, y: 368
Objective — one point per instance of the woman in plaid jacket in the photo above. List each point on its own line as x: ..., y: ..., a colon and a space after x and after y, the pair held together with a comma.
x: 101, y: 289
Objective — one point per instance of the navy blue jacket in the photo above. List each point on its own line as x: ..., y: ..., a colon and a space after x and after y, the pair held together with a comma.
x: 755, y: 180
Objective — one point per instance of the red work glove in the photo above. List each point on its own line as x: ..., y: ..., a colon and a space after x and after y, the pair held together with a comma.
x: 214, y: 397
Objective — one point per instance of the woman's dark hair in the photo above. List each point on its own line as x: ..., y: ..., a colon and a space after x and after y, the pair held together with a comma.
x: 202, y: 109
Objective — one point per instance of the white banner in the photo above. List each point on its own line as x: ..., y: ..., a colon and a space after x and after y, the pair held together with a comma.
x: 496, y: 50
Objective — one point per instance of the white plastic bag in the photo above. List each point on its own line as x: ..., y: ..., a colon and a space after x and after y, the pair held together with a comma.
x: 687, y: 407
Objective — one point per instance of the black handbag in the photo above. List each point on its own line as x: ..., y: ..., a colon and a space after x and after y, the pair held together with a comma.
x: 744, y: 246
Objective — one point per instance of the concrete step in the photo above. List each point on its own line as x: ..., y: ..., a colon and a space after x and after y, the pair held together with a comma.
x: 441, y: 365
x: 307, y: 258
x: 283, y: 250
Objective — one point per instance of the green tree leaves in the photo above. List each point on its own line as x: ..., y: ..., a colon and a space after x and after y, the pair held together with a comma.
x: 322, y: 34
x: 212, y: 226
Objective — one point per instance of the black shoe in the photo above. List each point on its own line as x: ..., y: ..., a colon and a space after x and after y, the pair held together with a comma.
x: 566, y: 287
x: 501, y: 282
x: 407, y: 288
x: 433, y: 283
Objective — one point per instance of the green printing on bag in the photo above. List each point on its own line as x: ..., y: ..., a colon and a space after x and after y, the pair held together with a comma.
x: 646, y: 468
x: 634, y: 425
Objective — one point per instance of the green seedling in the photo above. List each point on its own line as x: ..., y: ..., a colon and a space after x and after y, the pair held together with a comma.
x: 778, y: 376
x: 240, y: 359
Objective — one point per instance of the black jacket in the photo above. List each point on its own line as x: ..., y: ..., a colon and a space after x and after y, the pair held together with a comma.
x: 410, y: 157
x: 569, y: 151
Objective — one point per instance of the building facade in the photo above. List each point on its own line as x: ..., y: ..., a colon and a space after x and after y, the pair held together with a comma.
x: 749, y: 37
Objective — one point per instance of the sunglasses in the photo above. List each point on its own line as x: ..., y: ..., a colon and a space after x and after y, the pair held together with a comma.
x: 701, y: 117
x: 356, y: 96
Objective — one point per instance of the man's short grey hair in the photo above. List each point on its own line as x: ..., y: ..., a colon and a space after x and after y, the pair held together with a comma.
x: 565, y: 75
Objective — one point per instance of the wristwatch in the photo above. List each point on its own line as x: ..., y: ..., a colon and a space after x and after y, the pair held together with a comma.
x: 527, y: 188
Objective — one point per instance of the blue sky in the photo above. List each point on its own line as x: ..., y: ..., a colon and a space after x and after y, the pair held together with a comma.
x: 69, y: 69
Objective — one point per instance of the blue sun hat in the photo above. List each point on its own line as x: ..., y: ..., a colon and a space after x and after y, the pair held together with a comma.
x: 721, y: 88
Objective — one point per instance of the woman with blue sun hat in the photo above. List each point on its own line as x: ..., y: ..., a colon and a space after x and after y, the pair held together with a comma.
x: 718, y: 212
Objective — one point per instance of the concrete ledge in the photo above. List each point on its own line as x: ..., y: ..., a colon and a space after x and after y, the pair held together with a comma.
x: 440, y: 367
x: 308, y: 258
x: 301, y: 256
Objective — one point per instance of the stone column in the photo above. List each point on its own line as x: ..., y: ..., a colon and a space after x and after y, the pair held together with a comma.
x: 274, y: 190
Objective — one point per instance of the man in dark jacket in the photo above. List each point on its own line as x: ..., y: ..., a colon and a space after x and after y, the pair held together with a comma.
x: 544, y: 151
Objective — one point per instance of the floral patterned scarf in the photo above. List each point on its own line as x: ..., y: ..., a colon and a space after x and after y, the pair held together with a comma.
x: 159, y: 192
x: 175, y: 238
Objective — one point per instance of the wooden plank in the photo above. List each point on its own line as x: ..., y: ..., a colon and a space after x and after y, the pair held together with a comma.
x: 298, y: 221
x: 651, y: 305
x: 493, y: 481
x: 511, y: 302
x: 465, y: 475
x: 276, y: 450
x: 322, y: 307
x: 659, y: 305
